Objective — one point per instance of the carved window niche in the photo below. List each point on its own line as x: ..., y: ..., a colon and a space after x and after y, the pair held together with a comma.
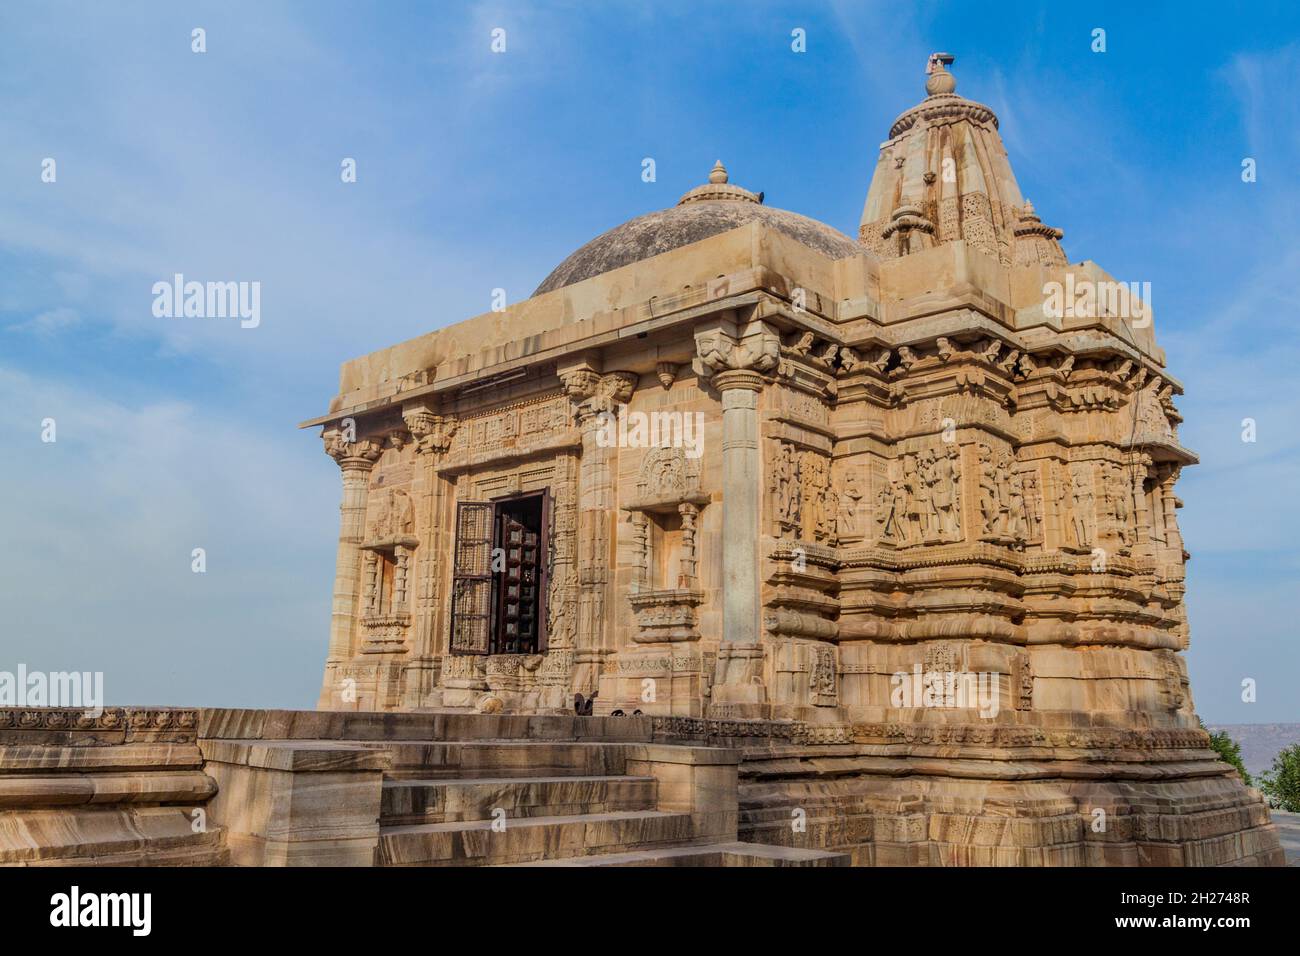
x: 665, y: 522
x: 388, y: 556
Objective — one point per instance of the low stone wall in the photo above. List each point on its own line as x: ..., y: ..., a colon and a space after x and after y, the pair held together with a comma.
x: 297, y: 803
x: 124, y: 787
x: 221, y: 723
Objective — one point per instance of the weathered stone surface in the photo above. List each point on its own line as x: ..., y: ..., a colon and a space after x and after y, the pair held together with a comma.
x: 690, y: 221
x: 124, y: 788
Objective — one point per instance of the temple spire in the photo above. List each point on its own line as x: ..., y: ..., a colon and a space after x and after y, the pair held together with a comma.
x: 944, y: 176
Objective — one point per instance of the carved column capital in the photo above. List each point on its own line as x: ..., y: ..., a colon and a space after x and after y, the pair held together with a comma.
x: 432, y: 432
x: 594, y: 394
x: 351, y: 455
x: 579, y: 383
x: 614, y: 389
x: 739, y: 379
x: 726, y: 346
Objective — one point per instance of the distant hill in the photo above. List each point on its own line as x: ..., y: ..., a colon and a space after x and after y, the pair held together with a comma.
x: 1260, y: 743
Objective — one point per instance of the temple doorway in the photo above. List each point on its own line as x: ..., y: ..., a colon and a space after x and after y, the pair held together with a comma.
x: 499, y: 579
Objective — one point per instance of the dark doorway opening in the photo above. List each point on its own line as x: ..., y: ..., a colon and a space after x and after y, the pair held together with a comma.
x: 500, y: 577
x: 520, y: 566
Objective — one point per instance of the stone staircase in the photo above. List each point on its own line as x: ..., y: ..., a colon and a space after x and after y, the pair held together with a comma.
x: 451, y: 790
x: 495, y: 802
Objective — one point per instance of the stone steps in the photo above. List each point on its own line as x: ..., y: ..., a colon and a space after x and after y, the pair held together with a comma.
x: 711, y: 855
x: 435, y: 760
x: 530, y: 839
x: 415, y: 801
x: 402, y: 790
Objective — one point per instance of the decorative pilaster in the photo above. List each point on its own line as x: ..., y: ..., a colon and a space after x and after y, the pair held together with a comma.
x: 1142, y: 508
x: 686, y: 576
x: 640, y: 550
x: 355, y: 459
x: 595, y: 396
x: 432, y: 434
x: 1170, y: 502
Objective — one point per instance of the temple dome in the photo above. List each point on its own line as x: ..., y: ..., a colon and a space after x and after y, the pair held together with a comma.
x: 707, y: 210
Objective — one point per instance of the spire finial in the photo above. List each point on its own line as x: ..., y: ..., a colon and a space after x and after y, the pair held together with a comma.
x: 940, y: 81
x: 718, y: 174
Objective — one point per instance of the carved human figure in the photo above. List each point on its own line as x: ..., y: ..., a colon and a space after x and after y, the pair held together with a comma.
x: 1084, y: 500
x: 885, y: 511
x: 898, y: 508
x: 1062, y: 485
x: 381, y: 523
x: 786, y: 487
x: 1152, y: 418
x: 990, y: 502
x: 911, y: 495
x: 668, y: 475
x: 831, y: 514
x: 1006, y: 508
x: 927, y: 479
x: 1117, y: 503
x: 1017, y: 522
x: 1033, y: 504
x: 941, y: 482
x: 847, y: 524
x: 820, y: 510
x: 950, y: 511
x: 404, y: 513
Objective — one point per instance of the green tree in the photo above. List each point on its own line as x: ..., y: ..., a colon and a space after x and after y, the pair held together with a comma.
x: 1281, y: 785
x: 1229, y: 751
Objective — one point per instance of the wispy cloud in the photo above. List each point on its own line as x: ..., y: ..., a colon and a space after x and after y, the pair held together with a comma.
x: 48, y: 324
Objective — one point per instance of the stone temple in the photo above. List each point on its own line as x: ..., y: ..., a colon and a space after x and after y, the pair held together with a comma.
x: 786, y: 546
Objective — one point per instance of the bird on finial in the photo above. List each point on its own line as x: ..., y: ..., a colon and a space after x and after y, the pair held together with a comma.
x: 718, y: 174
x: 940, y: 80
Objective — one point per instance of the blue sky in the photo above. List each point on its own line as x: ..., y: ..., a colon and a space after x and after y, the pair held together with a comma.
x: 479, y: 170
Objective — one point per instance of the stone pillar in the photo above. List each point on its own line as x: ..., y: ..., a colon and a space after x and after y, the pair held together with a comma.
x: 741, y: 477
x: 734, y: 355
x: 355, y: 459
